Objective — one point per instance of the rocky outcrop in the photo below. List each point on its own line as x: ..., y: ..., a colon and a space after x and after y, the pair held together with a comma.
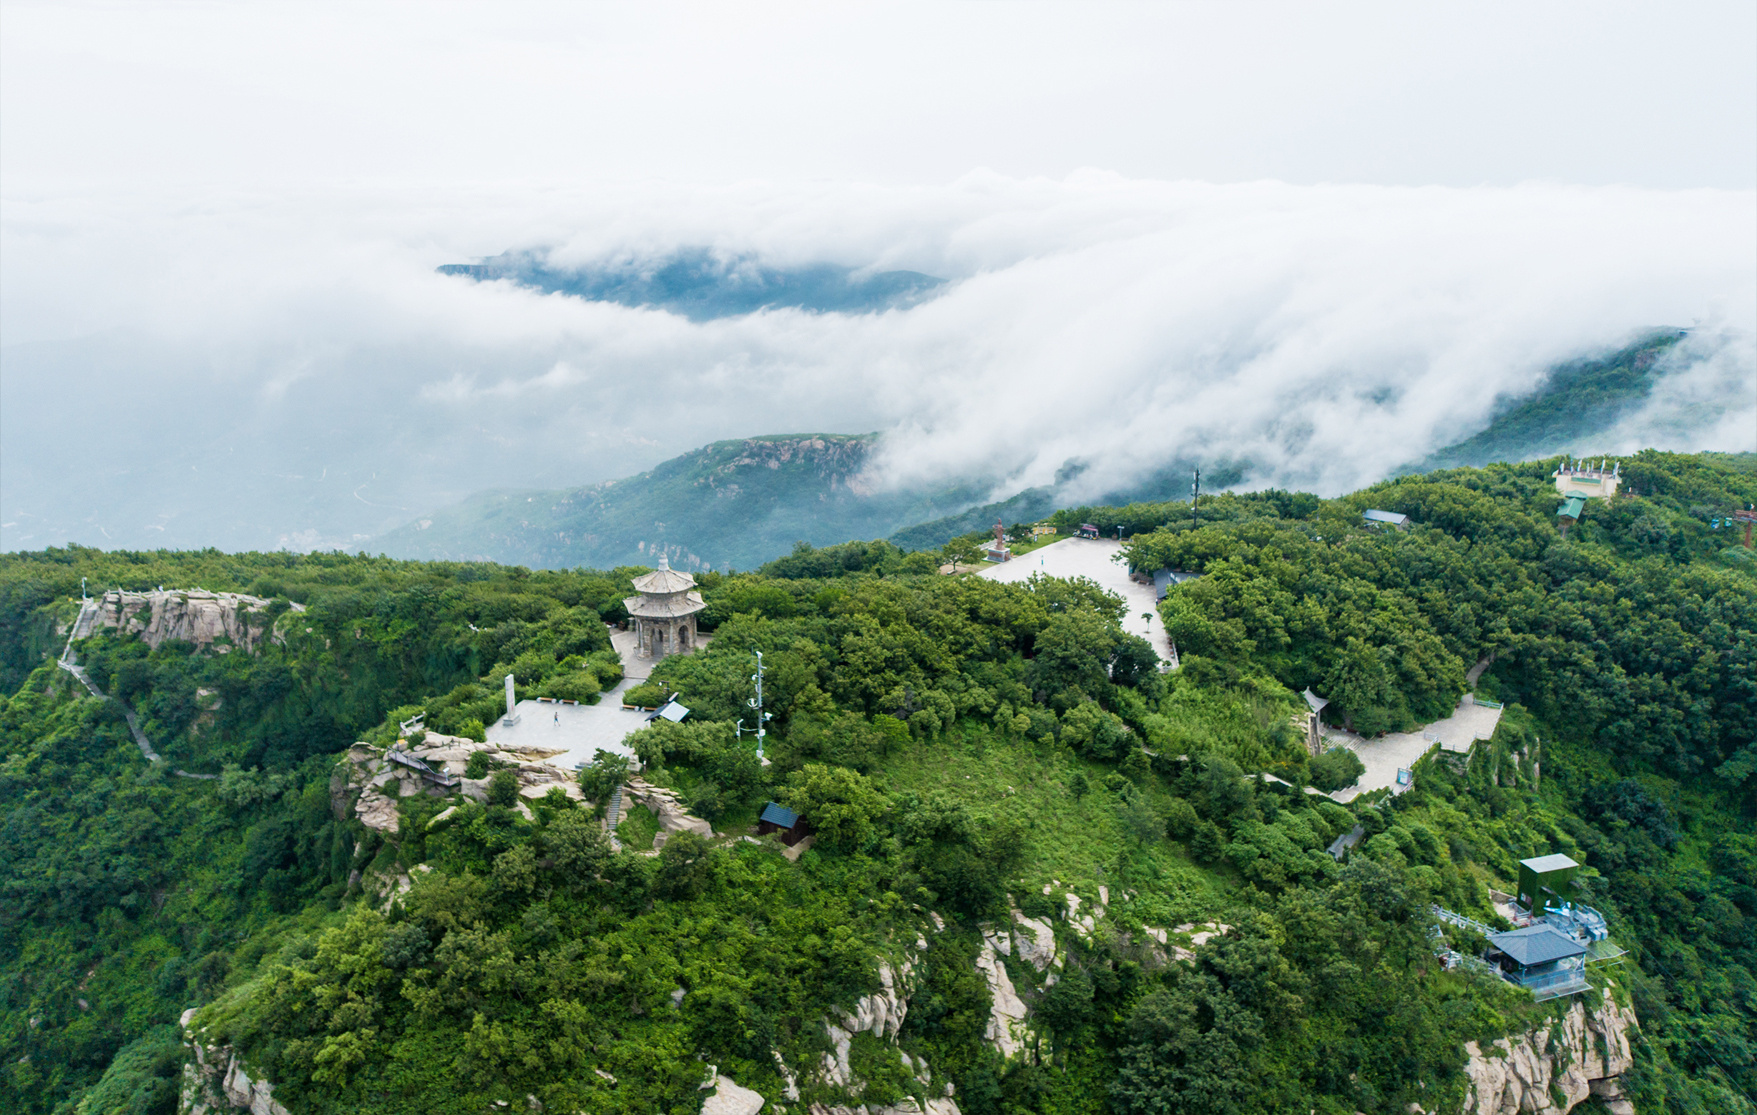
x: 1006, y: 1012
x: 1551, y: 1070
x: 728, y: 1098
x: 370, y: 780
x: 664, y: 804
x: 880, y: 1014
x: 186, y: 615
x: 1033, y: 940
x: 216, y: 1080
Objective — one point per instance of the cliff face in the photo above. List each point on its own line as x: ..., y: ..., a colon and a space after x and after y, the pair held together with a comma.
x: 189, y: 615
x: 215, y: 1080
x: 1551, y: 1070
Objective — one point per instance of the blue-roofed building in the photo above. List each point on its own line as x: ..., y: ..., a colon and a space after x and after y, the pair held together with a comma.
x: 779, y: 819
x: 1542, y: 959
x: 1388, y: 518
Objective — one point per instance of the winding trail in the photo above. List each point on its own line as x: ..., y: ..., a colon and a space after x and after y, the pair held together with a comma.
x: 88, y: 610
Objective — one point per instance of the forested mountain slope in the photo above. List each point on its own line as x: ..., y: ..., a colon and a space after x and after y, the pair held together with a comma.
x: 742, y: 502
x: 733, y: 503
x: 973, y: 755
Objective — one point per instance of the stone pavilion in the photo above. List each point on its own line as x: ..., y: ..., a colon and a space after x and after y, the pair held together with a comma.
x: 664, y: 613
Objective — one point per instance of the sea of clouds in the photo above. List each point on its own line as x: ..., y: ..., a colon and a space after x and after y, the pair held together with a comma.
x: 267, y: 370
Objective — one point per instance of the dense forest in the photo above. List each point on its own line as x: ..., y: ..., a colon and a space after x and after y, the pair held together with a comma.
x: 969, y: 752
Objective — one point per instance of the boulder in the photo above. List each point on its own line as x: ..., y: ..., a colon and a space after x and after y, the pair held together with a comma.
x: 728, y: 1098
x: 216, y: 1080
x: 1034, y: 941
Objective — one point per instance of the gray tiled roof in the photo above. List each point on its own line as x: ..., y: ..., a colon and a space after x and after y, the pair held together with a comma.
x: 1538, y: 944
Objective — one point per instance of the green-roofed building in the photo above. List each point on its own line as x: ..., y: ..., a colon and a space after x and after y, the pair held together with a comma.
x: 1546, y: 883
x: 1569, y: 513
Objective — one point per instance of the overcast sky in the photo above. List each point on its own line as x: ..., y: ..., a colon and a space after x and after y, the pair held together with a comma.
x: 1166, y: 226
x: 1394, y: 93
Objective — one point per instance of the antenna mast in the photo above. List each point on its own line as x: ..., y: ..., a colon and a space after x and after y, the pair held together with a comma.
x: 1195, y: 500
x: 756, y: 704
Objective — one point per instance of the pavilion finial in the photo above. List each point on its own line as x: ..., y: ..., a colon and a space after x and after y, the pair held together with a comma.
x: 664, y: 561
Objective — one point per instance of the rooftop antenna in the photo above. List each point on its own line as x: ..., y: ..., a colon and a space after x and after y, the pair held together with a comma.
x: 1195, y: 499
x: 756, y: 703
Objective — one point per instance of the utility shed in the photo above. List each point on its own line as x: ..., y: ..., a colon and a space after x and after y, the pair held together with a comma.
x: 1569, y: 513
x: 1546, y: 883
x: 778, y: 818
x: 1389, y: 518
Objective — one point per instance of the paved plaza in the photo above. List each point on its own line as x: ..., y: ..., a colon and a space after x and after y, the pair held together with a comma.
x: 574, y: 733
x: 1383, y: 757
x: 1096, y: 559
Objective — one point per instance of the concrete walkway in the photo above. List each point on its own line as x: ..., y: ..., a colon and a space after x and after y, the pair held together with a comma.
x: 1096, y: 559
x: 1383, y: 756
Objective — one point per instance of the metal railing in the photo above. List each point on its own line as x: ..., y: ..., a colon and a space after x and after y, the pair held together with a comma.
x: 1462, y: 922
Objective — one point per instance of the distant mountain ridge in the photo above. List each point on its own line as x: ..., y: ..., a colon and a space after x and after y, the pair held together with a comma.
x: 702, y: 285
x: 733, y: 503
x: 743, y: 502
x: 1576, y: 402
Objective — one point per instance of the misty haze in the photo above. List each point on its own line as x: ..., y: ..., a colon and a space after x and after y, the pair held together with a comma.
x: 909, y: 559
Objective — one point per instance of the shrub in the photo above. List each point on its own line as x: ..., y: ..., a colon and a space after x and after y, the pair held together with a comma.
x: 600, y: 780
x: 503, y: 789
x: 1336, y: 768
x: 650, y: 695
x: 574, y: 685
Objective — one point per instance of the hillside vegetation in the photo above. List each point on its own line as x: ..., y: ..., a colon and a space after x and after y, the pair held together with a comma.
x: 970, y: 753
x: 733, y: 503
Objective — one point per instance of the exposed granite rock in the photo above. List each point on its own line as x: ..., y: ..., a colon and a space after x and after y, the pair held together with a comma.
x: 215, y: 1080
x: 1034, y: 941
x: 375, y: 783
x: 728, y: 1098
x: 880, y: 1014
x: 1583, y: 1055
x: 1006, y: 1017
x: 663, y: 803
x: 186, y: 615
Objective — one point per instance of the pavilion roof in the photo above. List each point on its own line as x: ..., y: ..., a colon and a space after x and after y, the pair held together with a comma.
x: 663, y: 580
x: 669, y: 606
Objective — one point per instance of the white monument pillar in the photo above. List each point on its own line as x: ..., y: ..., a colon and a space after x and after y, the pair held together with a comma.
x: 511, y: 716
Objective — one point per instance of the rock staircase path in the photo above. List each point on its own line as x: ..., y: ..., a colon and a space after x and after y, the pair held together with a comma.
x: 82, y: 627
x: 613, y: 815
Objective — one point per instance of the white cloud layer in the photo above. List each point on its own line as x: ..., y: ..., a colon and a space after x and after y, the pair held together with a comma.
x: 258, y: 370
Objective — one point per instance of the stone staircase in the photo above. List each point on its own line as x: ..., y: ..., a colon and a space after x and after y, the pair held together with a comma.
x: 613, y: 816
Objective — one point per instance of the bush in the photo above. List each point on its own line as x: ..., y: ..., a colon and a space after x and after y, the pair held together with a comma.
x: 503, y: 789
x: 1336, y: 768
x: 650, y: 695
x: 574, y: 685
x: 600, y: 780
